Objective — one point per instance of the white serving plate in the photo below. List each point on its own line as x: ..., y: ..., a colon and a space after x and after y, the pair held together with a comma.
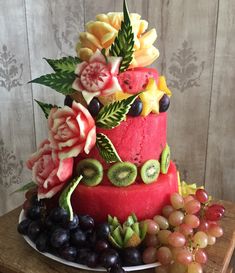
x: 81, y: 266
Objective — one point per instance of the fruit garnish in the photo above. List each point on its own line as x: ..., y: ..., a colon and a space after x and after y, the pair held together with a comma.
x: 163, y: 86
x: 150, y: 98
x: 165, y: 159
x: 94, y: 107
x: 130, y: 234
x: 136, y: 108
x: 150, y: 170
x: 65, y: 197
x: 122, y: 174
x: 91, y: 171
x: 164, y: 103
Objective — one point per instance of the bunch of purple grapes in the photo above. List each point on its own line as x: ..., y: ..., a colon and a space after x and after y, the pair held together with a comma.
x: 178, y: 238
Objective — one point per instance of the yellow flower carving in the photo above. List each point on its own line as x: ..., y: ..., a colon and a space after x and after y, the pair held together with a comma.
x: 102, y: 32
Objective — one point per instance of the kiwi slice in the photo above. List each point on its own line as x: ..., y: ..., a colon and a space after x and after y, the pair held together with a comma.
x: 122, y: 174
x: 91, y: 170
x: 150, y: 171
x: 165, y: 159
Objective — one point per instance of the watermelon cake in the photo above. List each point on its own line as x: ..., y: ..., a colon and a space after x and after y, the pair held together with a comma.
x: 104, y: 175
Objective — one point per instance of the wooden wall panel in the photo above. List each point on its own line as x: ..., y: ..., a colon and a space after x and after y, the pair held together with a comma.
x: 220, y: 171
x: 17, y: 137
x: 187, y: 42
x: 53, y: 28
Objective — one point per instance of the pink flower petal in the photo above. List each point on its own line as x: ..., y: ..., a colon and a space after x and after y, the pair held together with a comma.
x: 77, y: 85
x: 65, y: 169
x: 57, y: 123
x: 90, y: 141
x: 50, y: 117
x: 69, y: 143
x: 73, y: 126
x: 114, y: 63
x: 80, y: 68
x: 51, y: 180
x: 88, y: 96
x: 63, y: 112
x: 42, y: 193
x: 71, y: 152
x: 82, y: 125
x: 97, y: 57
x: 113, y: 87
x: 79, y: 107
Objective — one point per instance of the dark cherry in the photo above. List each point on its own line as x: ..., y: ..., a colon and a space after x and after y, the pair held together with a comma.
x: 59, y: 237
x: 136, y: 108
x: 68, y: 253
x: 131, y: 256
x: 164, y: 103
x: 103, y: 230
x: 109, y: 258
x: 86, y: 222
x: 22, y: 227
x: 94, y: 107
x: 42, y: 242
x: 68, y: 101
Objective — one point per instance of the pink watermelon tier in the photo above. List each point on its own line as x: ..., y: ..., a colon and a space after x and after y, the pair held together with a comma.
x: 144, y: 200
x: 136, y: 140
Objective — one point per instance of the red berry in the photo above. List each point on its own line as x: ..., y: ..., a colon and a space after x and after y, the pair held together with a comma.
x: 201, y: 195
x: 214, y: 212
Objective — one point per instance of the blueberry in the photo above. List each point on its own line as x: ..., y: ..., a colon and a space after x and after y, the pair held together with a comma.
x: 34, y: 213
x: 59, y: 215
x: 78, y: 238
x: 59, y: 237
x: 101, y: 245
x: 92, y: 260
x: 116, y: 269
x: 68, y: 253
x: 71, y: 225
x: 41, y: 242
x: 94, y: 107
x: 86, y: 222
x: 164, y: 103
x: 103, y: 231
x: 34, y: 230
x: 136, y: 108
x: 109, y: 258
x: 23, y: 226
x: 68, y: 101
x: 132, y: 256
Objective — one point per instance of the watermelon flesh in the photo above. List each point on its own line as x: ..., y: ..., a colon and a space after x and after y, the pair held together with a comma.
x: 144, y: 200
x: 135, y: 80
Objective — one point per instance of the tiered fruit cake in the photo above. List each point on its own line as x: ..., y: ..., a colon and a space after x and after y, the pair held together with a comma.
x: 106, y: 163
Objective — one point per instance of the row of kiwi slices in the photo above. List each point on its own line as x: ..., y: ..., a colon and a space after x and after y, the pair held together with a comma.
x: 123, y: 174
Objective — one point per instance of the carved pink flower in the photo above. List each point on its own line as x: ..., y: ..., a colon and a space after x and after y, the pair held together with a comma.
x: 97, y: 77
x: 71, y: 130
x: 48, y: 171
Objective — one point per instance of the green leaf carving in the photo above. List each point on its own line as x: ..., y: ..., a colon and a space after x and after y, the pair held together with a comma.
x: 60, y: 81
x: 124, y: 42
x: 106, y: 148
x: 65, y: 64
x: 65, y: 197
x: 46, y: 108
x: 111, y: 115
x: 26, y: 187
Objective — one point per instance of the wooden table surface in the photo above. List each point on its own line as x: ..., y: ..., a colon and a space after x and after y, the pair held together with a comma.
x: 16, y: 256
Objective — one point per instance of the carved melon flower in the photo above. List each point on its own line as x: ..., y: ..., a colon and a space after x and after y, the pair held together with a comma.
x: 102, y: 32
x: 97, y: 76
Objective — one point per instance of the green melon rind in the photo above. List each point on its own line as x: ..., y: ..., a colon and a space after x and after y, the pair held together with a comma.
x: 165, y: 159
x: 144, y: 168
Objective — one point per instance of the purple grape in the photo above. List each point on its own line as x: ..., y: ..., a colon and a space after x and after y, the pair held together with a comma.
x: 59, y: 237
x: 34, y: 230
x: 71, y: 225
x: 94, y: 107
x: 136, y: 108
x: 59, y: 215
x: 103, y: 231
x: 68, y: 253
x: 34, y: 213
x: 109, y: 258
x: 41, y: 242
x: 86, y: 222
x: 101, y: 245
x: 22, y: 227
x: 78, y: 238
x: 82, y: 254
x: 132, y: 256
x: 92, y: 260
x: 164, y: 103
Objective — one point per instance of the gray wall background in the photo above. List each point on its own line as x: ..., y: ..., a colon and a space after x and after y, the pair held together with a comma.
x: 196, y: 42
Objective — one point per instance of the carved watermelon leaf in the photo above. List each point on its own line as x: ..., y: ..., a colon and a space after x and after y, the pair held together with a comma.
x: 64, y: 65
x: 46, y: 108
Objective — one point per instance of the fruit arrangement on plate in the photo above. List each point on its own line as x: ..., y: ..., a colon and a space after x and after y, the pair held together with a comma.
x: 104, y: 190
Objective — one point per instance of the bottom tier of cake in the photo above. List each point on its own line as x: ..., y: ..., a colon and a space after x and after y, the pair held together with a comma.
x: 144, y: 200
